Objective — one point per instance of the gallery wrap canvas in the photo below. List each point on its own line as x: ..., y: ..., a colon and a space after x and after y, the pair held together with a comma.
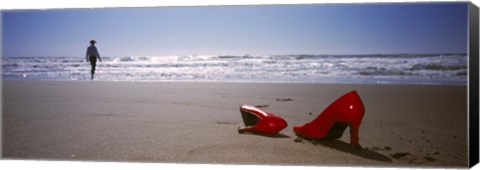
x: 335, y: 85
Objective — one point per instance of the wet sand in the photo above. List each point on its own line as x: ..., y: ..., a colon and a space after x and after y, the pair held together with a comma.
x: 192, y: 122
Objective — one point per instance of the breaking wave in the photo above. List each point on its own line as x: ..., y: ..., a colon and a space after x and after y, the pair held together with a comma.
x: 377, y: 68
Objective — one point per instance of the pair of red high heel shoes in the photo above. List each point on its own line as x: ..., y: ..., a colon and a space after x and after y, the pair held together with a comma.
x: 347, y: 110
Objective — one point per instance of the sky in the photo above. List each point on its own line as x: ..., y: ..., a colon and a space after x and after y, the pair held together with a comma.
x: 386, y: 28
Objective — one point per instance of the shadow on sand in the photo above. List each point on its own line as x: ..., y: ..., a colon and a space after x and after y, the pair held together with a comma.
x: 278, y: 135
x: 346, y: 147
x: 337, y: 145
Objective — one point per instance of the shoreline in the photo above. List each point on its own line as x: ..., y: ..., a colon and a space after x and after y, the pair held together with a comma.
x: 245, y: 82
x: 196, y: 122
x: 349, y: 69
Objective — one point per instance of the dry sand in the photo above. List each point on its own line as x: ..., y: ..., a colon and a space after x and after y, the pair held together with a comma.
x: 191, y: 122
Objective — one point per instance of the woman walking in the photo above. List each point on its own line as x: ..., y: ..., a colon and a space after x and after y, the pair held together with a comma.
x: 92, y: 55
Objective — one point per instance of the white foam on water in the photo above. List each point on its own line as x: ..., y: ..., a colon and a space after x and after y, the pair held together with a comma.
x: 370, y: 69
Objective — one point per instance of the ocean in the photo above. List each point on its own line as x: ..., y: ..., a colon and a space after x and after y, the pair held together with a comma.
x: 438, y: 69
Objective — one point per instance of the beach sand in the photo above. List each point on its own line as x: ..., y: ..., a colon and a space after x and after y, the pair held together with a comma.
x: 193, y: 122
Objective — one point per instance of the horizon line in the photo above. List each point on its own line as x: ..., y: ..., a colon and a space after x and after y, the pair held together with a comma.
x: 365, y: 54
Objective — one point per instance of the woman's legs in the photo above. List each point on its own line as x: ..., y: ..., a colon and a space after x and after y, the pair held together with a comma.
x: 93, y: 62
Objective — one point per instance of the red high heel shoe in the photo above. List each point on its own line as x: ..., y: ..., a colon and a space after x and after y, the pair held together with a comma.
x: 260, y: 121
x: 347, y: 110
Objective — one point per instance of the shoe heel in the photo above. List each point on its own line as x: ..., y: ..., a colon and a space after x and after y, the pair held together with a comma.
x: 354, y: 130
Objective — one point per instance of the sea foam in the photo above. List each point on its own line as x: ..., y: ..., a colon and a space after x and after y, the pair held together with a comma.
x: 448, y: 69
